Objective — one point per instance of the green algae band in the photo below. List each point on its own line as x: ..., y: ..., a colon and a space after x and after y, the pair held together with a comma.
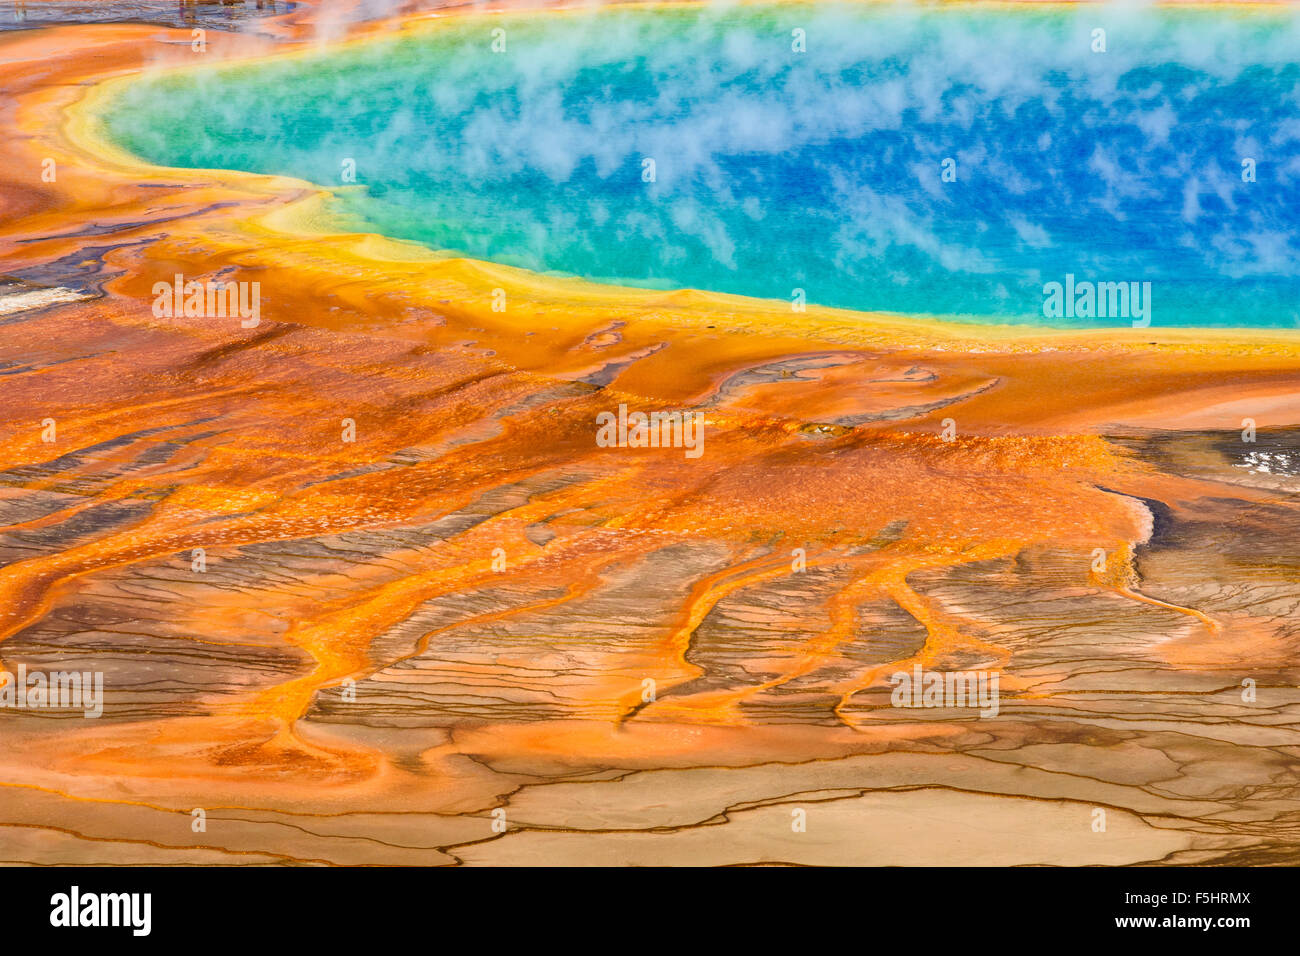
x: 962, y: 162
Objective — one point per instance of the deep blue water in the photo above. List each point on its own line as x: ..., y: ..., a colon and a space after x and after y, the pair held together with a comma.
x: 820, y: 169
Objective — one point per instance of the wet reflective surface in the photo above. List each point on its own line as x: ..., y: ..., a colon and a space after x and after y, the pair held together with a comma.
x: 473, y: 614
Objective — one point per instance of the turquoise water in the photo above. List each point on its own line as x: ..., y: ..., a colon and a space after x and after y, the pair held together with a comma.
x: 777, y: 169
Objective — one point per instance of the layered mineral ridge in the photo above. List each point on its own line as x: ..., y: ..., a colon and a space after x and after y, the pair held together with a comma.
x: 364, y: 588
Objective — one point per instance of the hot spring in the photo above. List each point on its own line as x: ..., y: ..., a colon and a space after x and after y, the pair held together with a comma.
x: 939, y: 162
